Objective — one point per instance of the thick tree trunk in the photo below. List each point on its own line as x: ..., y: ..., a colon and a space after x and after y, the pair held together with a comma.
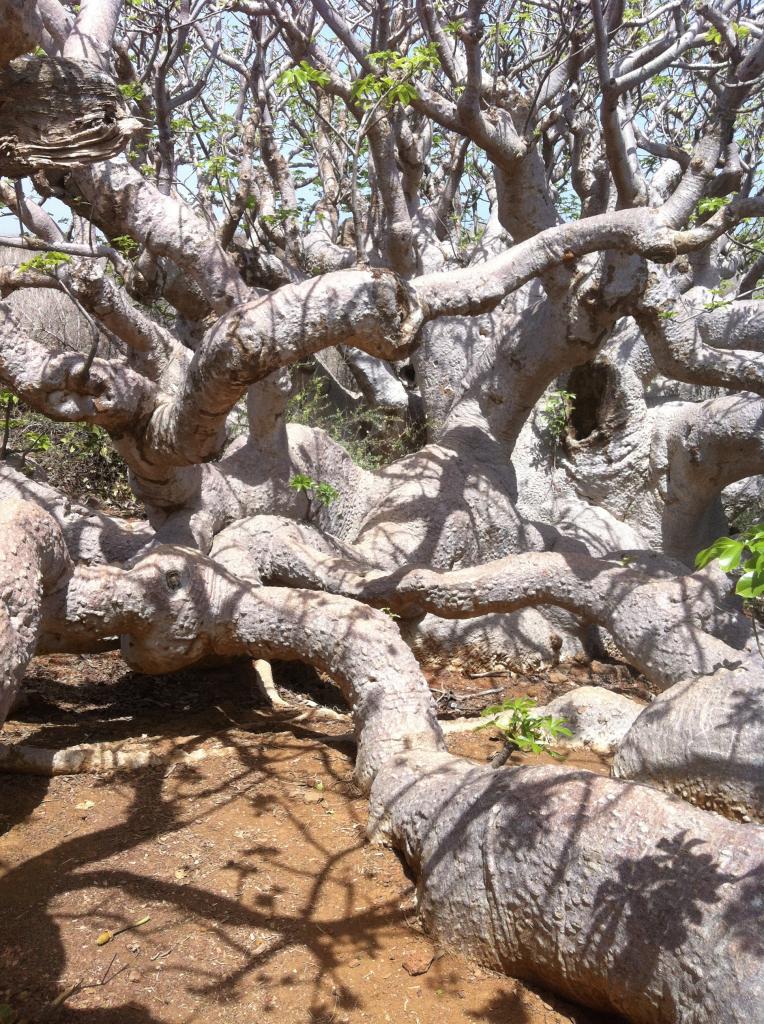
x: 33, y: 557
x: 609, y: 893
x: 606, y: 890
x: 58, y: 113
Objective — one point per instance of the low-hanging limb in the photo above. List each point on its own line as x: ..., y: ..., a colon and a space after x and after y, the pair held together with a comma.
x: 91, y: 537
x: 33, y: 557
x: 671, y: 628
x: 608, y: 892
x: 175, y: 606
x: 702, y: 447
x: 674, y: 620
x: 738, y: 324
x: 683, y: 330
x: 702, y: 740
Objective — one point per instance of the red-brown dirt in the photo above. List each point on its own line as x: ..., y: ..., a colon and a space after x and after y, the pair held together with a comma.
x: 265, y: 901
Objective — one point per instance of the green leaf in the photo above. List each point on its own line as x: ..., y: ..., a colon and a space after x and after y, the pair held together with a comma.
x: 293, y: 79
x: 405, y: 93
x: 325, y: 493
x: 47, y: 262
x: 750, y: 584
x: 131, y: 91
x: 713, y: 203
x: 301, y: 482
x: 725, y: 549
x: 125, y: 245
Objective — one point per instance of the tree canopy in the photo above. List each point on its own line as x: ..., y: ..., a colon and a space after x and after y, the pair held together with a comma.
x: 429, y: 333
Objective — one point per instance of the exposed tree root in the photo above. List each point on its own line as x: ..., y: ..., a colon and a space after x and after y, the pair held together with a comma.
x: 134, y: 754
x: 702, y: 739
x: 267, y: 686
x: 32, y: 558
x: 91, y: 537
x: 671, y: 628
x: 175, y: 606
x: 612, y: 894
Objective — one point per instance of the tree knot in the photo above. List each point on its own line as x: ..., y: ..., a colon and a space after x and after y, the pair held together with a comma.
x: 173, y: 579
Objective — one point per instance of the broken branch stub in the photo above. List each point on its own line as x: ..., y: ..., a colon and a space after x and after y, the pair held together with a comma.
x: 57, y: 113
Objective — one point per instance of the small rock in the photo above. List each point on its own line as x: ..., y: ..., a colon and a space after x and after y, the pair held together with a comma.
x: 557, y: 677
x: 599, y: 668
x: 313, y: 798
x: 133, y: 976
x: 418, y: 963
x: 598, y: 718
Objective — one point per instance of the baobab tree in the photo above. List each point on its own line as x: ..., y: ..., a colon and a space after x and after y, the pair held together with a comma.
x: 532, y: 228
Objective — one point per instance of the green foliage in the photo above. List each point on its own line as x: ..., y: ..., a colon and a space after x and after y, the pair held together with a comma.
x: 47, y: 262
x: 280, y: 215
x: 746, y: 552
x: 371, y: 437
x: 301, y: 482
x: 522, y: 730
x: 180, y: 125
x: 217, y: 167
x: 713, y: 36
x: 391, y: 81
x: 297, y: 78
x: 718, y: 303
x: 557, y: 411
x: 325, y: 494
x: 131, y: 91
x: 126, y: 245
x: 78, y: 459
x: 501, y: 32
x: 317, y: 491
x: 710, y: 204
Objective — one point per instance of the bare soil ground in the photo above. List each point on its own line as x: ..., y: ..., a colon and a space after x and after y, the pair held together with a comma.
x: 265, y: 902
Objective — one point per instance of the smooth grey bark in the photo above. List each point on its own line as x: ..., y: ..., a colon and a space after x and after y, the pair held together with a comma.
x: 670, y: 626
x: 617, y: 896
x: 22, y: 28
x: 702, y: 739
x: 33, y: 557
x: 563, y: 877
x: 456, y: 531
